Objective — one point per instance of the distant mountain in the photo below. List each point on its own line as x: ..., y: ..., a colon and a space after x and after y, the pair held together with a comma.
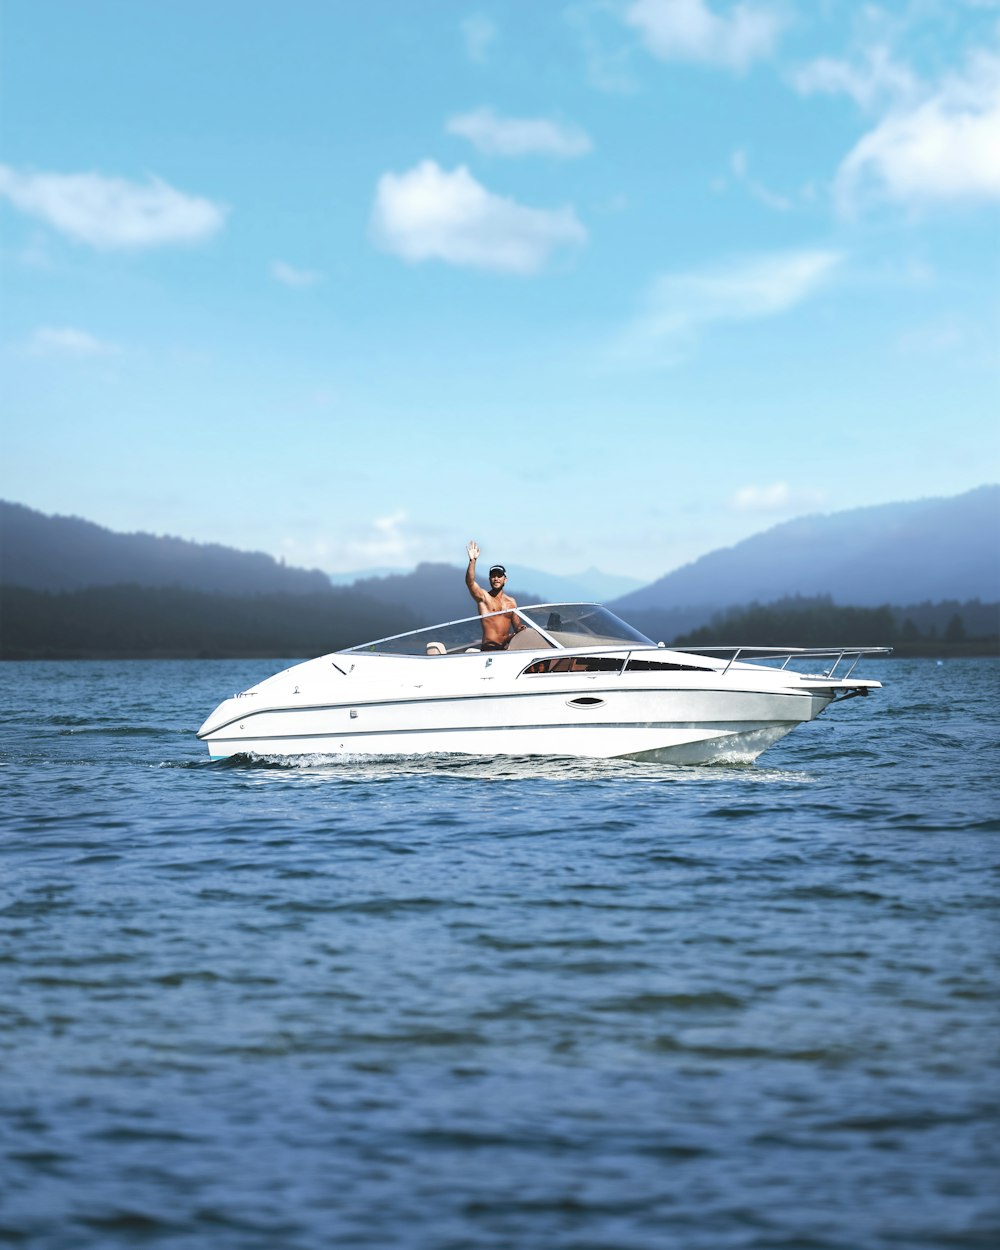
x: 42, y: 552
x: 433, y: 592
x: 590, y: 585
x: 348, y: 579
x: 129, y: 621
x: 927, y: 550
x: 73, y: 588
x: 57, y: 553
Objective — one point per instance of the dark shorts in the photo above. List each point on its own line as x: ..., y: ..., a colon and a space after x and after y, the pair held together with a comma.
x: 492, y: 646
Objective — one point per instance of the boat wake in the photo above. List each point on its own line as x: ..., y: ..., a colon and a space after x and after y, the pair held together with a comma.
x: 533, y: 768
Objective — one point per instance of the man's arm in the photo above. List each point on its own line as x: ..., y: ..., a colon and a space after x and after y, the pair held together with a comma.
x: 475, y: 590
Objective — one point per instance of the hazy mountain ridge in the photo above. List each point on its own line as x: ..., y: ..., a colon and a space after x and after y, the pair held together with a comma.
x: 435, y: 592
x: 907, y: 553
x: 129, y: 621
x: 126, y: 622
x: 902, y: 553
x: 590, y: 585
x: 41, y: 552
x: 167, y: 597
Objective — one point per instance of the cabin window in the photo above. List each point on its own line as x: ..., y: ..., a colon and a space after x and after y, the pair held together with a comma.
x: 576, y: 664
x: 664, y: 666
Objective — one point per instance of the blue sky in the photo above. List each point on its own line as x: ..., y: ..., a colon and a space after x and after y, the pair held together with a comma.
x: 596, y: 283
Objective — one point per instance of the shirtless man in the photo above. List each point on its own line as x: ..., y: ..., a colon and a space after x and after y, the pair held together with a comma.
x: 496, y: 629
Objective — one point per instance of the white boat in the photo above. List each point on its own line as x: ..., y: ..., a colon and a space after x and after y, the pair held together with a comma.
x: 576, y: 681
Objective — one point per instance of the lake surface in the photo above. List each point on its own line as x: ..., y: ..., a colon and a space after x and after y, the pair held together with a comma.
x: 461, y: 1003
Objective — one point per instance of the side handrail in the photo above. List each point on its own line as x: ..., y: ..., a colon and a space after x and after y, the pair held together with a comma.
x: 838, y: 654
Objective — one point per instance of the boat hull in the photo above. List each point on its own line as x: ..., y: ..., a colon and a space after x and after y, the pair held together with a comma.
x: 663, y: 744
x: 574, y: 681
x: 683, y: 727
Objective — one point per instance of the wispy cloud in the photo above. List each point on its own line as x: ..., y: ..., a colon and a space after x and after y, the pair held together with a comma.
x: 607, y: 52
x: 385, y: 541
x: 778, y: 497
x: 429, y: 213
x: 951, y: 334
x: 389, y: 541
x: 288, y: 275
x: 871, y: 82
x: 519, y: 136
x: 64, y: 341
x: 740, y: 166
x: 944, y: 149
x: 688, y: 30
x: 112, y: 213
x: 681, y: 306
x: 479, y: 33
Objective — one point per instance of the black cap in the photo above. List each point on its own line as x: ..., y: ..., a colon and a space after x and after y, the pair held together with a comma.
x: 498, y: 569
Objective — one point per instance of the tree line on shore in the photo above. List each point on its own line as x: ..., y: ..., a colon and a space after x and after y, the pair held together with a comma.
x: 122, y: 622
x: 155, y: 622
x: 947, y: 628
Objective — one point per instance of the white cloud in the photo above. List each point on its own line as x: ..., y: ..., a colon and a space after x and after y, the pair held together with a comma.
x: 288, y: 275
x: 519, y: 136
x: 688, y: 30
x: 428, y: 213
x: 390, y: 541
x: 680, y: 306
x: 51, y: 341
x: 479, y: 34
x: 777, y: 497
x: 946, y: 148
x: 112, y: 213
x: 385, y: 542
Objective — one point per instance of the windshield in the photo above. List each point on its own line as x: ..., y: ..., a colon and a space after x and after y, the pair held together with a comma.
x: 583, y: 624
x: 546, y: 625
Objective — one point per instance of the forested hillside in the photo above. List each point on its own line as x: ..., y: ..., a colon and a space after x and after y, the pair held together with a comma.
x: 948, y: 628
x: 135, y: 621
x: 66, y: 553
x: 927, y: 549
x: 150, y: 622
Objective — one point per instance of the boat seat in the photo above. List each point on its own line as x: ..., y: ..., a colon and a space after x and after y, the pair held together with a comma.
x: 527, y: 640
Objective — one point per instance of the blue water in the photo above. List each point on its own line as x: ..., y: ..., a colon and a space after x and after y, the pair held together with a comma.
x: 496, y: 1004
